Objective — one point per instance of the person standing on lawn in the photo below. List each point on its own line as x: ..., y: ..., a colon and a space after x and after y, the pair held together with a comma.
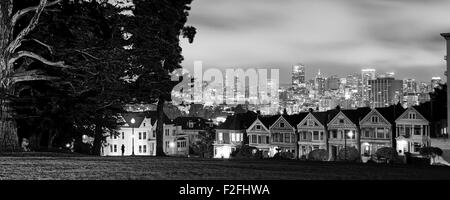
x: 123, y: 149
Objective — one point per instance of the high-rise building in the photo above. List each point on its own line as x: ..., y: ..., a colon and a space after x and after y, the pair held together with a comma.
x: 366, y: 76
x: 409, y: 86
x: 384, y: 92
x: 298, y: 75
x: 320, y: 83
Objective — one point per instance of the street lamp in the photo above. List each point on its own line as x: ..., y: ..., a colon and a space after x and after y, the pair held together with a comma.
x: 350, y: 135
x: 132, y: 136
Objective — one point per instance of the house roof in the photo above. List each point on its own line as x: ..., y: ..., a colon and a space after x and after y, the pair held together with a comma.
x: 268, y: 120
x: 238, y: 121
x: 425, y: 111
x: 357, y: 114
x: 391, y: 113
x: 199, y: 123
x: 139, y: 118
x: 322, y: 117
x: 295, y: 119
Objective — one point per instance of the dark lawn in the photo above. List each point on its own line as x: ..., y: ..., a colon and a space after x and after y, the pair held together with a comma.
x: 79, y: 167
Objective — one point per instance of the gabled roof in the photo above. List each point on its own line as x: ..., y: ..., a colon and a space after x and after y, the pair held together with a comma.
x: 268, y: 120
x: 392, y: 112
x: 357, y: 115
x: 239, y: 121
x: 421, y: 112
x: 295, y: 119
x: 139, y: 118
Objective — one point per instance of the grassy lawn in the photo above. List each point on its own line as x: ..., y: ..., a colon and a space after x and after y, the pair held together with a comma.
x: 149, y: 168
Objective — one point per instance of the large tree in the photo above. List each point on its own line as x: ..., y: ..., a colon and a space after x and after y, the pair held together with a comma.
x: 155, y: 29
x: 17, y: 21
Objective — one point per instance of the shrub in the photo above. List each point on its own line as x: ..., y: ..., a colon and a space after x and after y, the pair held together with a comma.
x: 352, y: 154
x: 388, y: 153
x: 284, y: 156
x: 318, y: 155
x: 427, y: 151
x: 245, y: 152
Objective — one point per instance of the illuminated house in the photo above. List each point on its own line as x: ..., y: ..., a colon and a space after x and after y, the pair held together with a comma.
x: 283, y: 133
x: 259, y: 135
x: 138, y: 137
x: 376, y: 132
x: 312, y: 131
x: 413, y: 131
x: 344, y: 129
x: 230, y: 134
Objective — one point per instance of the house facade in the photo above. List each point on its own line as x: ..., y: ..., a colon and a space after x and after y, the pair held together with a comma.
x: 376, y: 133
x: 138, y: 137
x: 312, y: 133
x: 342, y: 132
x: 259, y: 136
x: 413, y: 131
x: 230, y: 134
x: 283, y: 135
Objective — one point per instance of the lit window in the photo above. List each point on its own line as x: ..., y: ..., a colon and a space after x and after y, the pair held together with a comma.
x: 220, y: 136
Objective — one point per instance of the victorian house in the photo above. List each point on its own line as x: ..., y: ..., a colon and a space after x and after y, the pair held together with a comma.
x: 231, y: 133
x: 313, y: 133
x: 376, y: 132
x: 259, y: 135
x: 344, y: 130
x: 283, y: 134
x: 413, y: 131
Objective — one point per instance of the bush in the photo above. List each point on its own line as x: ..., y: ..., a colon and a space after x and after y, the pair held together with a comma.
x: 427, y: 151
x: 352, y: 154
x: 318, y: 155
x: 284, y: 156
x: 388, y: 153
x: 245, y: 152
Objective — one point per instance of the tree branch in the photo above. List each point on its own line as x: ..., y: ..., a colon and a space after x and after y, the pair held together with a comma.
x: 50, y: 49
x: 32, y: 75
x: 31, y: 25
x: 29, y: 54
x: 19, y: 14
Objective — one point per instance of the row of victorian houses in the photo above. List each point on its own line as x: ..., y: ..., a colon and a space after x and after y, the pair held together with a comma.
x: 406, y: 130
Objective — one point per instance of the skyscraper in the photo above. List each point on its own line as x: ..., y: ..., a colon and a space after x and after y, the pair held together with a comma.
x: 366, y: 76
x: 320, y: 83
x: 298, y: 75
x: 384, y: 92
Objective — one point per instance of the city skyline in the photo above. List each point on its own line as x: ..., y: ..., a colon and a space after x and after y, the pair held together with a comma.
x: 344, y: 35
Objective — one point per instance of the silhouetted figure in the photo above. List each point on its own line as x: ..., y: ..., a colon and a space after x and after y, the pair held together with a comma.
x: 123, y: 149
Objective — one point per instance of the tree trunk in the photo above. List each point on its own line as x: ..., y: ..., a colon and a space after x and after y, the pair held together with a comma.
x: 160, y: 128
x: 9, y: 141
x: 98, y: 137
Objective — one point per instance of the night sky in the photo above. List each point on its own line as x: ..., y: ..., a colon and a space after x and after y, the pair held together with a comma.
x: 336, y: 36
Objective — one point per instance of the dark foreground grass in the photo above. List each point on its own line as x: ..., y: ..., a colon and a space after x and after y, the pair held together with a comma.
x: 150, y: 168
